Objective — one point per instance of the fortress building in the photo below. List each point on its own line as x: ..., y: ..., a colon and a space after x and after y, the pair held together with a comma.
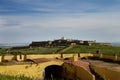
x: 61, y: 42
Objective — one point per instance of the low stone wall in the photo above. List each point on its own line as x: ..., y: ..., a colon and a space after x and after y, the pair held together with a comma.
x: 118, y: 58
x: 0, y: 58
x: 105, y: 56
x: 82, y: 55
x: 34, y: 56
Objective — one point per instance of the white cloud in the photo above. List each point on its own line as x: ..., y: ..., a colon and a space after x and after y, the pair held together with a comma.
x: 69, y: 18
x: 76, y: 21
x: 101, y: 26
x: 89, y: 21
x: 2, y: 21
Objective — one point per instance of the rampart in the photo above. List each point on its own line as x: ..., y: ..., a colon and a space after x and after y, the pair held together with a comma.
x: 36, y: 70
x: 23, y: 57
x: 75, y: 72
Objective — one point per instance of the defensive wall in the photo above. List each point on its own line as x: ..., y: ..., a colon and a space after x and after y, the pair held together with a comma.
x: 105, y: 56
x: 36, y: 70
x: 75, y: 72
x: 23, y: 57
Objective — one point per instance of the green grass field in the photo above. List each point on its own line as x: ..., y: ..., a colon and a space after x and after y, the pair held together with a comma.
x: 5, y: 77
x: 39, y: 50
x: 92, y: 49
x: 111, y: 50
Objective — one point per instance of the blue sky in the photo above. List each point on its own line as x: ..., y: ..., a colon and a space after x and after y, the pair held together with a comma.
x: 23, y: 21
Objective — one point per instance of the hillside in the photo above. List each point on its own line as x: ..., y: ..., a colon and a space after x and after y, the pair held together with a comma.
x: 94, y: 48
x: 113, y: 50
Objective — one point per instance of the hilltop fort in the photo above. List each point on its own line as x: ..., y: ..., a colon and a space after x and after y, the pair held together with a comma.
x: 66, y: 42
x: 71, y: 59
x: 61, y: 42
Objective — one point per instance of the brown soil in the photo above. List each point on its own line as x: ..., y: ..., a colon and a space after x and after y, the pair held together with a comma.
x: 112, y: 66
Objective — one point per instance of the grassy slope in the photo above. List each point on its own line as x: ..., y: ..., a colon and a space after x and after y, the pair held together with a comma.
x: 77, y: 48
x: 103, y: 49
x: 40, y: 50
x: 3, y: 50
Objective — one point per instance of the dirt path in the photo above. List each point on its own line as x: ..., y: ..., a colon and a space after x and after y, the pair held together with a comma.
x: 98, y: 63
x: 111, y: 66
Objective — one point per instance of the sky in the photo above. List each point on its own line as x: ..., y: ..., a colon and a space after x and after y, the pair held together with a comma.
x: 24, y: 21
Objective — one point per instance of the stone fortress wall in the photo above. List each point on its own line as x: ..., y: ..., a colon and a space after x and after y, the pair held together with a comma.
x: 35, y: 70
x: 61, y: 42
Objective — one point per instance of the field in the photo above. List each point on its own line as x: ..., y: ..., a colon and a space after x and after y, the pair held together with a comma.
x: 111, y: 50
x: 34, y: 50
x: 94, y: 48
x: 4, y: 77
